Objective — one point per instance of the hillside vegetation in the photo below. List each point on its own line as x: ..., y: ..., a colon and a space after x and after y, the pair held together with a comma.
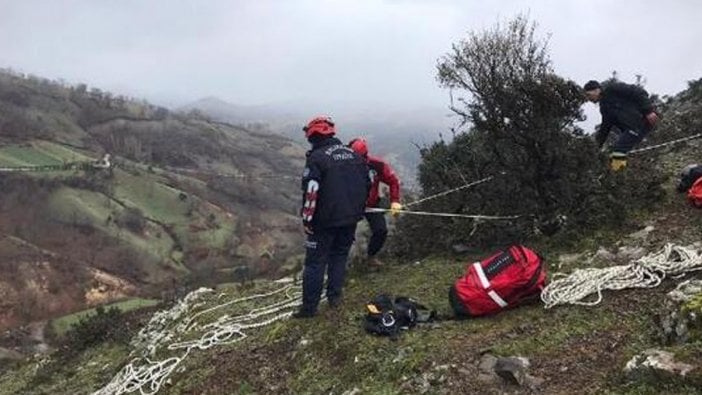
x: 188, y: 200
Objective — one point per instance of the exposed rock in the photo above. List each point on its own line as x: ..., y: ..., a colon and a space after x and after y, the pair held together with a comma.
x: 512, y: 369
x: 682, y: 314
x: 487, y: 378
x: 9, y: 355
x: 569, y: 260
x: 465, y: 372
x: 630, y: 253
x: 534, y: 382
x: 603, y: 254
x: 686, y: 291
x: 487, y: 363
x: 354, y: 391
x: 656, y: 364
x: 642, y: 234
x: 461, y: 248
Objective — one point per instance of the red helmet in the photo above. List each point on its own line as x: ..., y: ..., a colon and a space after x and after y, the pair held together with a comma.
x: 359, y: 145
x: 323, y: 126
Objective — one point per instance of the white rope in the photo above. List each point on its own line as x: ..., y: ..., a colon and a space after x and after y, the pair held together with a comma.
x: 175, y: 328
x: 646, y: 272
x: 444, y: 193
x: 449, y: 215
x: 652, y: 147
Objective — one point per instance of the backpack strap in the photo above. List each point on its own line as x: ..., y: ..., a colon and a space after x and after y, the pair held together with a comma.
x: 486, y: 285
x: 423, y: 313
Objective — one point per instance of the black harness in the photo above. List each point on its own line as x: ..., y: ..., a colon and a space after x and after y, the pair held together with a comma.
x: 386, y: 317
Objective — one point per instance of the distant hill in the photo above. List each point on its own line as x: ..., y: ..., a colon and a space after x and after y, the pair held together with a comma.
x: 223, y: 110
x: 190, y: 201
x: 391, y: 133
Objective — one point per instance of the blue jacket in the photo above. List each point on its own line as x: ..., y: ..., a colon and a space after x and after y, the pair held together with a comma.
x: 335, y: 185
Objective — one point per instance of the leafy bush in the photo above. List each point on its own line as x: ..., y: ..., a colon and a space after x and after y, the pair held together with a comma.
x: 517, y: 124
x: 133, y: 219
x: 103, y: 326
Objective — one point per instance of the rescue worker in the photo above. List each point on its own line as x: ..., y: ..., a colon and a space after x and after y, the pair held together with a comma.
x: 379, y: 171
x: 626, y: 107
x: 335, y: 186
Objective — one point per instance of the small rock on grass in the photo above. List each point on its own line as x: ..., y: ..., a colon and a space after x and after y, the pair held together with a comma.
x: 656, y: 363
x: 512, y: 369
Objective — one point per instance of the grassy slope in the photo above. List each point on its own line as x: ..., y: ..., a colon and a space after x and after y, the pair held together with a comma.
x: 147, y: 191
x: 38, y: 153
x: 575, y: 349
x: 62, y: 324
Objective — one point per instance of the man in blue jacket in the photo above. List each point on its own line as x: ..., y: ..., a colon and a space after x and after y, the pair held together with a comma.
x: 626, y: 107
x: 335, y: 187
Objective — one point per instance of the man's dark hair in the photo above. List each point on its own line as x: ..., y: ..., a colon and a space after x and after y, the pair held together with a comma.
x: 591, y: 85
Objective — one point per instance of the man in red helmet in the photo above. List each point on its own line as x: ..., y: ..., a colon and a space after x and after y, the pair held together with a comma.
x: 335, y: 186
x: 380, y: 171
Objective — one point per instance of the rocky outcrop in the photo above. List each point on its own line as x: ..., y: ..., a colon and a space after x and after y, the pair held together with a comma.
x: 681, y: 319
x: 656, y: 364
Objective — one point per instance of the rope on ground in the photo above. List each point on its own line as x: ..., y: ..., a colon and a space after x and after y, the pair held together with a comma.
x: 169, y: 330
x: 672, y: 142
x: 646, y: 272
x: 448, y: 215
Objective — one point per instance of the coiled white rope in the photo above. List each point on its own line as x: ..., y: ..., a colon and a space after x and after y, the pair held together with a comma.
x: 646, y: 272
x: 169, y: 330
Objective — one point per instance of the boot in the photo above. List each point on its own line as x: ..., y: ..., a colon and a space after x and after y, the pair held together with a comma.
x: 303, y: 313
x: 334, y: 303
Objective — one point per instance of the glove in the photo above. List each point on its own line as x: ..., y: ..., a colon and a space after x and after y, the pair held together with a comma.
x: 652, y: 118
x: 395, y: 208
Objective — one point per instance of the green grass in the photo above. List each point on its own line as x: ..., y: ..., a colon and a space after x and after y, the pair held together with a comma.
x: 60, y: 152
x: 74, y: 206
x: 338, y: 355
x: 38, y: 153
x: 164, y: 204
x: 16, y: 155
x: 156, y: 200
x: 61, y: 325
x: 97, y: 366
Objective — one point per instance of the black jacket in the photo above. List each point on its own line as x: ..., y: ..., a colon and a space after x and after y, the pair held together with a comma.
x: 624, y: 106
x: 340, y: 177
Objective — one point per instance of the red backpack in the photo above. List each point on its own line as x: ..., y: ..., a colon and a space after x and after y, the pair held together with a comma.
x: 695, y: 193
x: 498, y: 282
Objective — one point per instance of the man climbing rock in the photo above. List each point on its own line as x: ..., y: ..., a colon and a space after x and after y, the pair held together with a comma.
x: 626, y: 107
x: 335, y: 186
x: 379, y: 171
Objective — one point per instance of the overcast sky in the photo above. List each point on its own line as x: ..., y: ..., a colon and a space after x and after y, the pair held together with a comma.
x: 357, y: 51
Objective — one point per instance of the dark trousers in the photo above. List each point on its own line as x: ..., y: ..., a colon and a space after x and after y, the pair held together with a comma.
x: 325, y: 249
x: 379, y: 232
x: 628, y: 139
